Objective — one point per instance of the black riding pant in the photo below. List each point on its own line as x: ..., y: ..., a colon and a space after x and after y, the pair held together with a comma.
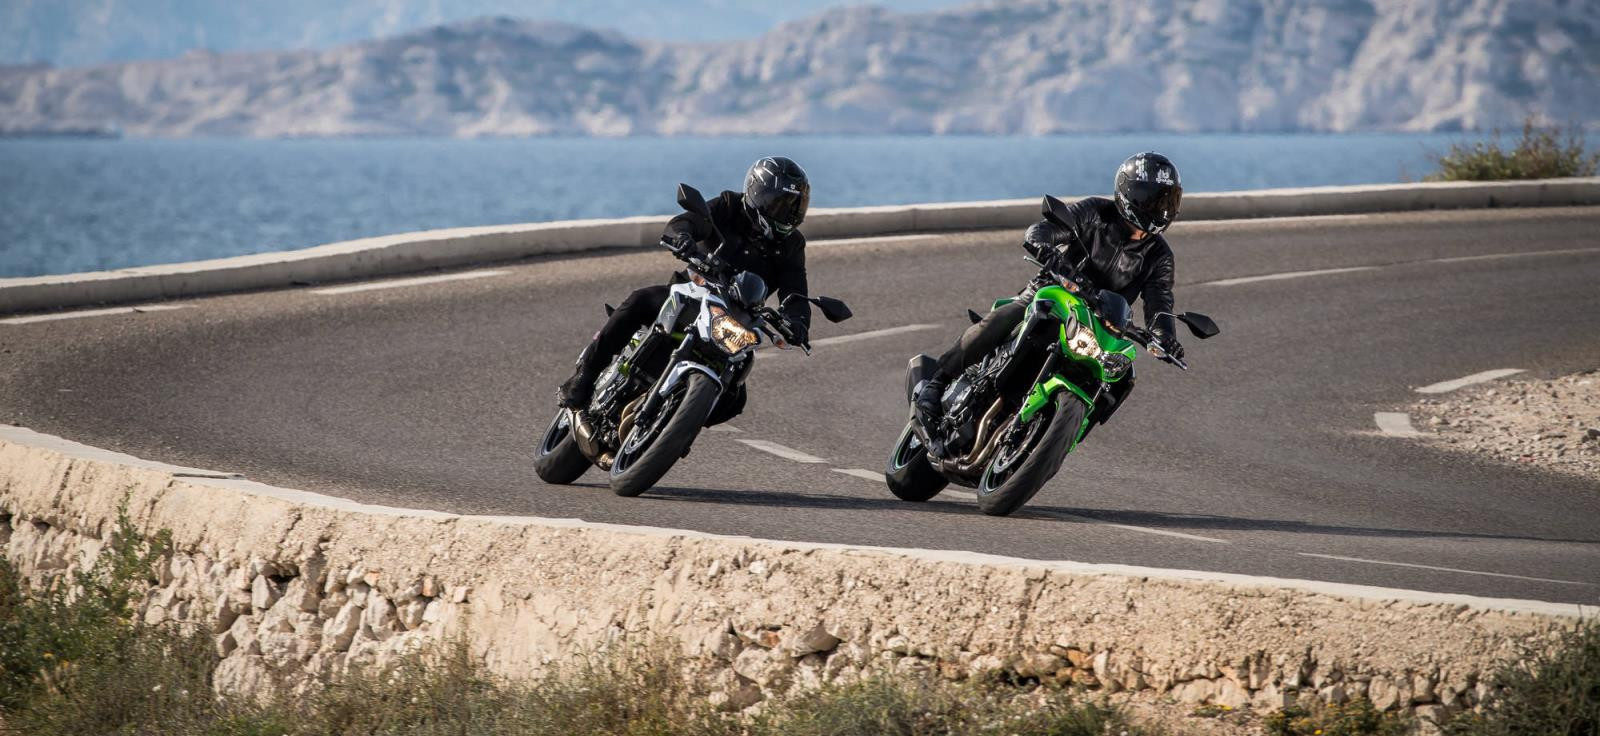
x: 638, y: 310
x: 980, y: 339
x: 995, y: 328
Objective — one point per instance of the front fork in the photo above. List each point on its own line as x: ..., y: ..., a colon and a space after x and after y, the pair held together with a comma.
x: 1045, y: 389
x: 679, y: 365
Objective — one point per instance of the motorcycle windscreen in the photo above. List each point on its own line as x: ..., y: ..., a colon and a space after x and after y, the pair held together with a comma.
x: 749, y: 288
x: 1114, y: 309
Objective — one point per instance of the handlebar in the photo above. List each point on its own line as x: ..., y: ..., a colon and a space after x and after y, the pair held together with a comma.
x: 775, y: 320
x: 1147, y: 340
x: 715, y: 270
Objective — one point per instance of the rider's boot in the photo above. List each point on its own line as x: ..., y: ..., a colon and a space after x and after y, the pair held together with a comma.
x: 929, y: 411
x: 576, y: 391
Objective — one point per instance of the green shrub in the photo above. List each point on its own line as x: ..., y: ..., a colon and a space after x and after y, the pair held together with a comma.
x: 1554, y: 693
x: 446, y: 691
x: 47, y: 636
x: 1540, y: 154
x: 928, y: 707
x: 1355, y: 718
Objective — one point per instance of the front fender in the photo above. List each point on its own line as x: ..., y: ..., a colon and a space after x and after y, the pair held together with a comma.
x: 1043, y: 392
x: 676, y: 374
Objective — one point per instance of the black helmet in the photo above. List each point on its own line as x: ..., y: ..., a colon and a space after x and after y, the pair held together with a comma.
x: 1148, y: 191
x: 776, y: 194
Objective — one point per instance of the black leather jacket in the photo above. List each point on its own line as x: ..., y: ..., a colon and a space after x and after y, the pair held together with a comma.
x: 1134, y: 270
x: 782, y: 264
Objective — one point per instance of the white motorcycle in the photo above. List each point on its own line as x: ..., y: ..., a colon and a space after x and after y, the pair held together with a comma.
x: 656, y: 395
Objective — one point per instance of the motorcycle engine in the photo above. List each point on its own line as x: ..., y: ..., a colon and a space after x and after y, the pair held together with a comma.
x: 957, y: 413
x: 607, y: 384
x: 955, y: 394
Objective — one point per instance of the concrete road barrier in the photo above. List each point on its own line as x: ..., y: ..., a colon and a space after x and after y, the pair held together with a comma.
x: 433, y: 249
x: 299, y: 585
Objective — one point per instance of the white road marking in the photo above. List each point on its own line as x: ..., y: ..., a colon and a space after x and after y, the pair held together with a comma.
x: 1128, y: 527
x: 783, y: 452
x: 1237, y: 221
x: 1285, y: 275
x: 417, y: 281
x: 1442, y: 569
x: 1464, y: 381
x: 871, y: 334
x: 1351, y: 269
x: 1395, y: 424
x: 1497, y: 256
x: 90, y: 313
x: 878, y: 239
x: 724, y: 428
x: 859, y: 473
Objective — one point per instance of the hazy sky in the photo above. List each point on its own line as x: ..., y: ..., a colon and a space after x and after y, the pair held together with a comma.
x: 75, y: 32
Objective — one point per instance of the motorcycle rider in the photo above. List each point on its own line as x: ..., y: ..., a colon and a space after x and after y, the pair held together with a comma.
x: 1119, y: 245
x: 761, y: 227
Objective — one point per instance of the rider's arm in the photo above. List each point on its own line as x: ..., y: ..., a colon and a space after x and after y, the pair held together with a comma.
x: 1157, y: 292
x: 1054, y: 246
x: 695, y: 228
x: 792, y: 280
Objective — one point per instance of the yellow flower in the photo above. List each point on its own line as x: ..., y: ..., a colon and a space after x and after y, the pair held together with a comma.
x: 48, y: 655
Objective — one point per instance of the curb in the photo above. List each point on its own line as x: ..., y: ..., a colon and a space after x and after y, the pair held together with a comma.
x: 410, y: 252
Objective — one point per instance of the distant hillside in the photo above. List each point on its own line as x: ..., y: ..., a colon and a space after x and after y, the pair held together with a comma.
x: 1003, y: 66
x: 79, y: 32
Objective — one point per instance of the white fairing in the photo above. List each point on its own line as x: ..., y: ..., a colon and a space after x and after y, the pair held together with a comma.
x: 681, y: 294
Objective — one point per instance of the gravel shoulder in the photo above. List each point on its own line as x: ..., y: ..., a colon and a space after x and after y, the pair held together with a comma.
x: 1551, y: 424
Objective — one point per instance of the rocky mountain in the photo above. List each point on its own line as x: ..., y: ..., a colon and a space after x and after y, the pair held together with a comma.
x: 80, y: 32
x: 1000, y: 66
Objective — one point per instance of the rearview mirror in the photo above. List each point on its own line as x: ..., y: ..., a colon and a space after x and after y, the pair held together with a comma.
x: 690, y: 200
x: 1199, y: 324
x: 1055, y: 211
x: 833, y: 309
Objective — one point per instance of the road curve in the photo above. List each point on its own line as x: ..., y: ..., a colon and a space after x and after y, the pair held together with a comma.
x: 1264, y: 459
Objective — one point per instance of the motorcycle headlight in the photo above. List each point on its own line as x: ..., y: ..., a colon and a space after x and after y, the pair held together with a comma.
x: 1084, y: 343
x: 728, y: 334
x: 1115, y: 364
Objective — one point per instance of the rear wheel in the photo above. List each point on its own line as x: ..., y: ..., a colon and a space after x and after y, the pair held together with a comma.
x: 910, y: 476
x: 655, y: 443
x: 558, y: 459
x: 1030, y: 456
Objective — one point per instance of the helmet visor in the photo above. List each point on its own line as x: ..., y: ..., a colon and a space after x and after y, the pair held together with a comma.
x: 785, y: 209
x: 1153, y: 204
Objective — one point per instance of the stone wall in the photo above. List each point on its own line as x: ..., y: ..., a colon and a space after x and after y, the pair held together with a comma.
x: 295, y: 586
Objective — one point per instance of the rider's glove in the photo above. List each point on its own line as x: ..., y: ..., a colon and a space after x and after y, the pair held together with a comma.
x: 679, y: 243
x: 800, y: 333
x: 1169, y: 345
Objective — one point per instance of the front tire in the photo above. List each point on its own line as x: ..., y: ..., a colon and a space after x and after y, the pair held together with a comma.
x: 910, y: 476
x: 557, y: 459
x: 1017, y: 472
x: 644, y: 458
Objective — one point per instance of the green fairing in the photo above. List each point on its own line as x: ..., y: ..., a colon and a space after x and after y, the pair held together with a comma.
x: 1069, y: 307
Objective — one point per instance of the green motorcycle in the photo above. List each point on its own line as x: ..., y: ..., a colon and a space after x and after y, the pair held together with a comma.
x: 1011, y: 419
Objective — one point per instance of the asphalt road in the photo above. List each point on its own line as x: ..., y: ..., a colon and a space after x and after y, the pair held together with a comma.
x: 1264, y: 459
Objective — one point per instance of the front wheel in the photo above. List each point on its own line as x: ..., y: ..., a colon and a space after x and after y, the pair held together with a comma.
x: 655, y: 443
x: 910, y: 476
x: 558, y: 459
x: 1030, y: 456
